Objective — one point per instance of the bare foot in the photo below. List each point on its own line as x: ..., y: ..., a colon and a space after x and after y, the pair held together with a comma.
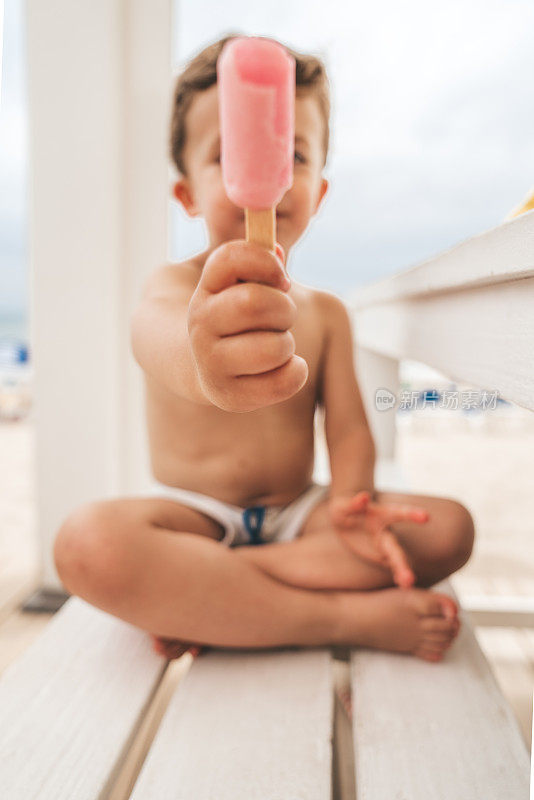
x: 173, y: 648
x: 417, y: 621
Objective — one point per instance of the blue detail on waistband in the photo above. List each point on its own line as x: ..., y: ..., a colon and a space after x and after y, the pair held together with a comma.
x: 253, y: 520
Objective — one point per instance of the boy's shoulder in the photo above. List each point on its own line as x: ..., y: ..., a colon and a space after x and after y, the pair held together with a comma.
x: 175, y: 278
x: 330, y: 306
x: 323, y: 299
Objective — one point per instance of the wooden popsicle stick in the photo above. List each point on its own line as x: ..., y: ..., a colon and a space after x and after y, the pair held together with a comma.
x: 260, y: 227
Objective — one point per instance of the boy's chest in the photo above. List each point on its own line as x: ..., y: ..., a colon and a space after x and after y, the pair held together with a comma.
x: 309, y: 334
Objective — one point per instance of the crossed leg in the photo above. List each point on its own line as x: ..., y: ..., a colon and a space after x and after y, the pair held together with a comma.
x: 151, y: 563
x: 319, y: 559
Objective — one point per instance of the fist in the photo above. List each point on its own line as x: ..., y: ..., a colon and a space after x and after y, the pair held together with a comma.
x: 239, y: 322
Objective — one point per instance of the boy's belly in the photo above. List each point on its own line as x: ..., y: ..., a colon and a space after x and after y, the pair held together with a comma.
x: 240, y: 486
x: 263, y: 458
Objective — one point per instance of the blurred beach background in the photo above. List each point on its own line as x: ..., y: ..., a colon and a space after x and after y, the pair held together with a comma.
x: 417, y: 165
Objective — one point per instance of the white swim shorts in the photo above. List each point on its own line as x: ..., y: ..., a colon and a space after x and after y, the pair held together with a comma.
x: 252, y: 525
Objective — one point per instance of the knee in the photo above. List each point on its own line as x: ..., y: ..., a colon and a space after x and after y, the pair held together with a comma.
x: 458, y: 535
x: 89, y: 551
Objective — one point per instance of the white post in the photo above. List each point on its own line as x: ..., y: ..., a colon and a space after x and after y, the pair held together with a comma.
x: 99, y: 98
x: 532, y: 754
x: 378, y: 373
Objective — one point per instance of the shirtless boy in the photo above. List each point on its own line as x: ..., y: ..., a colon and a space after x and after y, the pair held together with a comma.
x: 236, y: 357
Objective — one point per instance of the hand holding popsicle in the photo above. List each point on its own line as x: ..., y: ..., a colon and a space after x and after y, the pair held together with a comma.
x: 240, y: 313
x: 238, y: 321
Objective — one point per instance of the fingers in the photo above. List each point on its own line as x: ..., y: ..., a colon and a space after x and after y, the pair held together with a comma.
x: 353, y: 506
x: 360, y: 501
x: 394, y: 512
x: 274, y: 386
x: 347, y: 511
x: 239, y: 260
x: 254, y: 352
x: 386, y: 513
x: 398, y: 561
x: 250, y: 306
x: 363, y: 547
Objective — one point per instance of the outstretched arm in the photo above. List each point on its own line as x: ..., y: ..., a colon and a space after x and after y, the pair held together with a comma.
x: 362, y: 524
x: 158, y: 332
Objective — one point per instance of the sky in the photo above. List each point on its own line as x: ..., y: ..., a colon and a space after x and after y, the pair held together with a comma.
x: 432, y: 128
x: 432, y: 123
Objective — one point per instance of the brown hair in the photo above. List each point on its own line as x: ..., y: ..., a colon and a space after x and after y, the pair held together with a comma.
x: 201, y: 72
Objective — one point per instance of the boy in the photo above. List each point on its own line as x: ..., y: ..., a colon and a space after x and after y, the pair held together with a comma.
x: 236, y: 357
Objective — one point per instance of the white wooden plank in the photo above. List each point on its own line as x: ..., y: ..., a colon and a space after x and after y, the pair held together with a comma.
x: 71, y: 703
x: 247, y: 724
x: 374, y: 372
x: 483, y: 336
x: 438, y: 731
x: 503, y: 253
x: 500, y: 611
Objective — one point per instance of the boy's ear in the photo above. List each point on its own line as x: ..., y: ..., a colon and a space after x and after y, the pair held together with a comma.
x: 322, y: 192
x: 182, y: 192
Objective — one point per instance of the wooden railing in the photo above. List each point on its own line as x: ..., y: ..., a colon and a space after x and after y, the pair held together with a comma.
x: 468, y: 313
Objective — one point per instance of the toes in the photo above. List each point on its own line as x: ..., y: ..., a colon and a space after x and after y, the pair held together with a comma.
x: 429, y: 655
x: 157, y: 644
x: 434, y: 604
x: 168, y: 648
x: 448, y: 606
x: 431, y: 644
x: 435, y: 644
x: 438, y: 625
x: 438, y: 637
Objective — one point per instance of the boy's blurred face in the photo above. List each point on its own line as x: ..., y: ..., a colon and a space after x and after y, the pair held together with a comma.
x: 202, y: 192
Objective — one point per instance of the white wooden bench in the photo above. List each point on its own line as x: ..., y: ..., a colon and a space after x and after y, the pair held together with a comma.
x: 90, y: 711
x: 80, y: 708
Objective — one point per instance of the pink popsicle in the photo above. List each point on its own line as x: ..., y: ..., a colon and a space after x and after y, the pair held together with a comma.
x: 256, y: 86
